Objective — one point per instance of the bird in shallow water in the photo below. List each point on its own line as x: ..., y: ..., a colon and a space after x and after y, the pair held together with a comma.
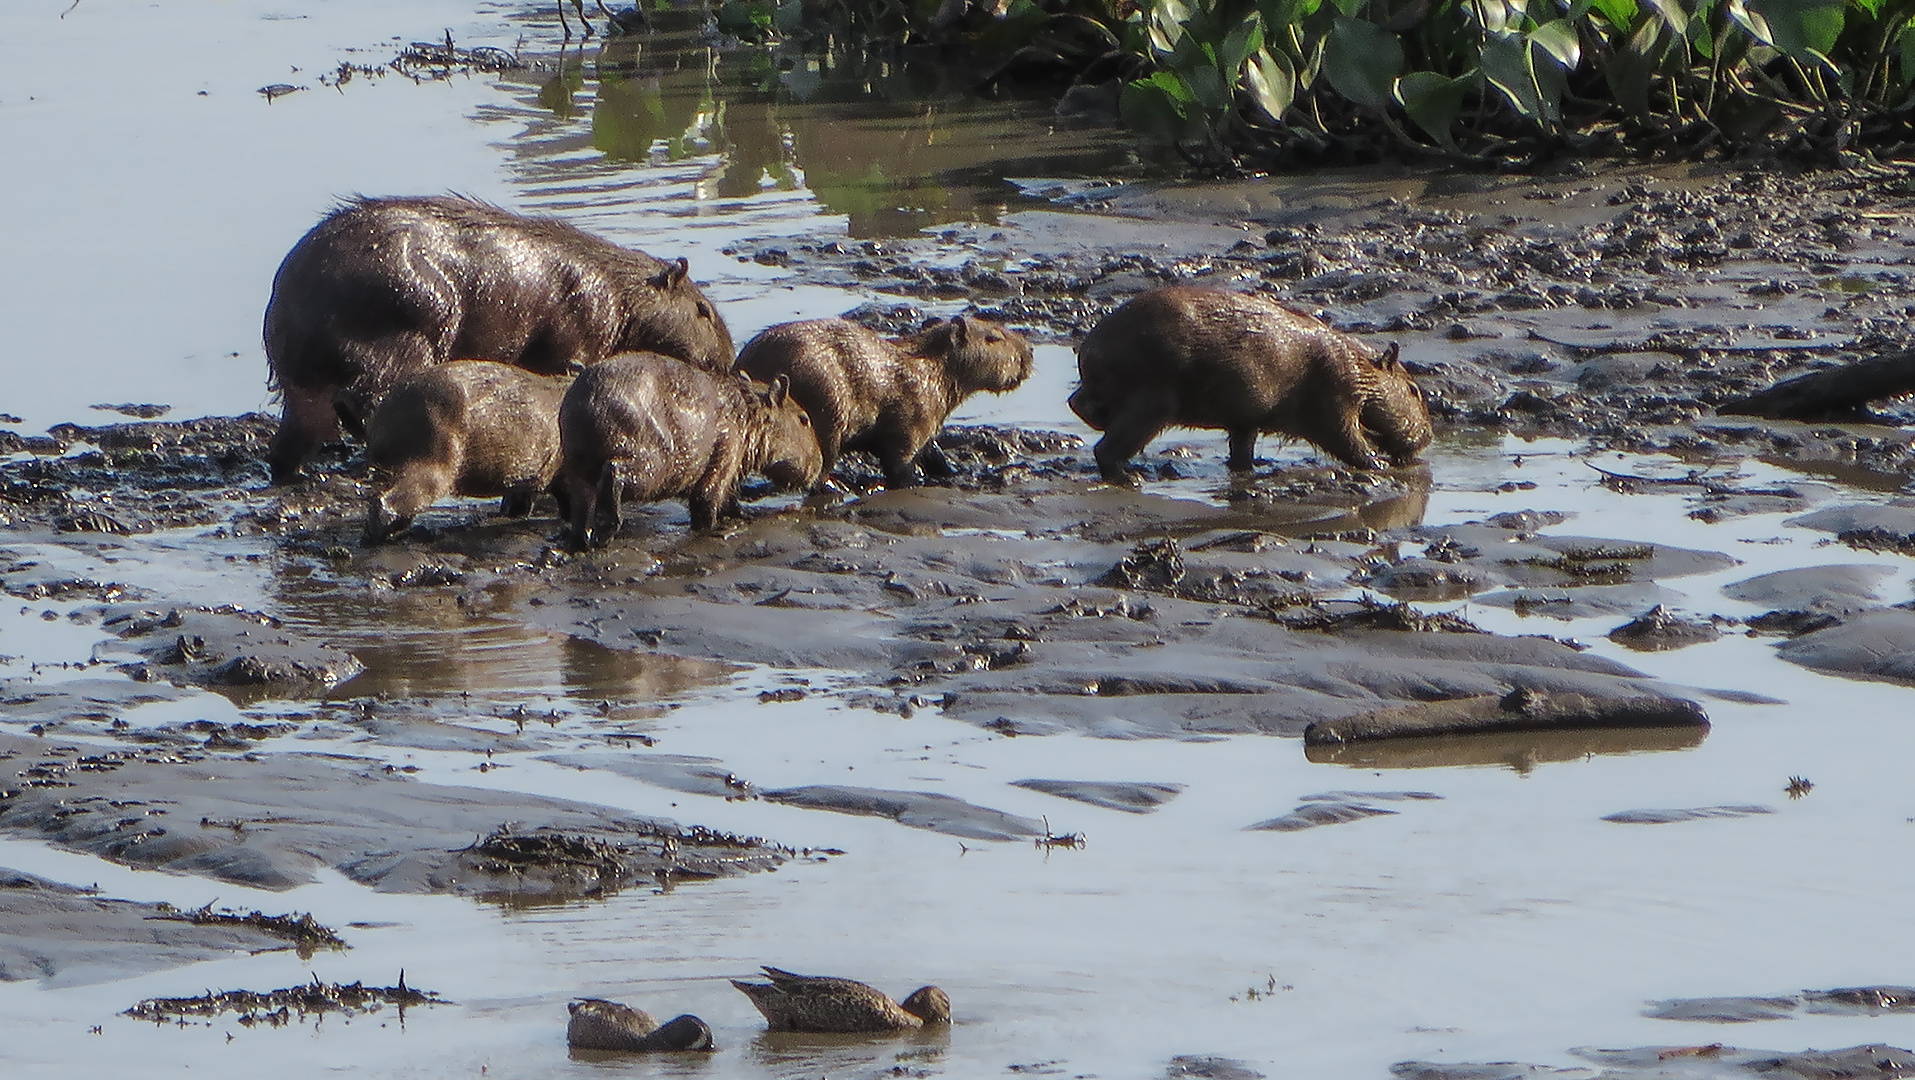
x: 818, y: 1003
x: 598, y: 1024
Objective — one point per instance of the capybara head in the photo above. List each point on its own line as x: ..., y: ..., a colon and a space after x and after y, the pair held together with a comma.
x: 1394, y: 413
x: 681, y: 322
x: 979, y: 354
x: 792, y: 459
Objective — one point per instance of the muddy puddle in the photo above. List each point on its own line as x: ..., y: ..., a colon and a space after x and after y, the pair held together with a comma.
x: 1033, y: 739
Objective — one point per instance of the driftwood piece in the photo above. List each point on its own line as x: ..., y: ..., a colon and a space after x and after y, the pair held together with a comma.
x: 1836, y: 393
x: 1518, y: 710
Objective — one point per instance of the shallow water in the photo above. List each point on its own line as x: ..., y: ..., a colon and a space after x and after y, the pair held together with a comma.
x: 1504, y: 921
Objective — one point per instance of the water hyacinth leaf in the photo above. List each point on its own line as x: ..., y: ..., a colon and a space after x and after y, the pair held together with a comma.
x: 1349, y: 8
x: 1245, y: 40
x: 1621, y: 14
x: 1558, y: 39
x: 1279, y: 14
x: 1362, y: 60
x: 1536, y: 91
x: 1152, y: 107
x: 1208, y: 87
x: 1802, y: 29
x: 1632, y: 69
x: 1167, y: 18
x: 1497, y: 15
x: 1272, y: 83
x: 1673, y: 14
x: 1433, y: 102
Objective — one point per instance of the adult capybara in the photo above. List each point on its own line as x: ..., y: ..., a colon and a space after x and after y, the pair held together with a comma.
x: 888, y: 396
x: 383, y: 288
x: 1183, y: 356
x: 645, y: 426
x: 470, y: 427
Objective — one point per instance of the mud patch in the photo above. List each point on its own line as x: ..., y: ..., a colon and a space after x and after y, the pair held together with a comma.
x: 67, y: 936
x: 1699, y: 813
x: 1139, y: 797
x: 293, y: 1004
x: 1336, y: 808
x: 917, y: 809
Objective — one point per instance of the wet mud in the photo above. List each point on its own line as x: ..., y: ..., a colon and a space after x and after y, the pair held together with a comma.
x: 1713, y: 1061
x: 271, y: 821
x: 69, y: 936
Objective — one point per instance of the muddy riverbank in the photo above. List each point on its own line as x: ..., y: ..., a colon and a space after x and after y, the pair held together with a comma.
x: 1032, y: 738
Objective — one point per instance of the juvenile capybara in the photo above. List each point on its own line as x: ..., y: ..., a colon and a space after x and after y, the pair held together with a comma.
x: 645, y: 426
x: 1182, y: 356
x: 888, y: 395
x: 471, y: 427
x: 383, y: 288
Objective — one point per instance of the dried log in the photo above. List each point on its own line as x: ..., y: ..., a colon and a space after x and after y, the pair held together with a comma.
x: 1837, y: 393
x: 1519, y: 710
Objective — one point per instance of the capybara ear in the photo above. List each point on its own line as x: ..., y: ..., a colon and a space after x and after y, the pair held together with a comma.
x: 1388, y: 361
x: 935, y: 320
x: 960, y: 329
x: 674, y: 273
x: 780, y: 390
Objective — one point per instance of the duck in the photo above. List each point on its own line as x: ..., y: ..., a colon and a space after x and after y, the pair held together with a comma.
x: 792, y: 1002
x: 598, y: 1024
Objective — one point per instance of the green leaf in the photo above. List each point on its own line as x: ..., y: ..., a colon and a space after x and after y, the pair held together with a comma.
x: 1802, y: 29
x: 1146, y: 106
x: 1433, y: 102
x: 1361, y: 60
x: 1559, y: 40
x: 1278, y: 14
x: 1272, y: 82
x: 1673, y: 14
x: 1621, y: 14
x: 1509, y: 62
x: 1246, y: 39
x: 1349, y: 8
x: 1632, y: 69
x: 1208, y: 87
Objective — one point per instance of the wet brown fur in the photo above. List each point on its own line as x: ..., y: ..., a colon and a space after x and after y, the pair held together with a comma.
x: 645, y: 426
x: 472, y: 427
x: 383, y: 288
x: 1183, y: 356
x: 888, y: 396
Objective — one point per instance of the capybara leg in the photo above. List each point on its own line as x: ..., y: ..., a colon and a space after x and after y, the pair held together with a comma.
x: 608, y: 513
x: 1243, y: 450
x: 900, y: 468
x: 704, y: 511
x: 580, y: 503
x: 934, y: 462
x: 1130, y: 431
x: 306, y: 422
x: 517, y: 504
x: 829, y: 448
x: 380, y: 523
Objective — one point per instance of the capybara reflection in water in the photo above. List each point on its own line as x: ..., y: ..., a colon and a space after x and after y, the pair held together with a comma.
x: 384, y: 288
x: 471, y: 427
x: 888, y: 396
x: 645, y: 426
x: 1183, y: 356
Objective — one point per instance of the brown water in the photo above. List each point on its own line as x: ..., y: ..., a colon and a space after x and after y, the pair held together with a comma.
x: 1505, y: 921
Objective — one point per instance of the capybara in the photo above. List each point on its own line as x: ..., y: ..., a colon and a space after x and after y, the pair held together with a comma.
x: 471, y: 427
x: 645, y: 426
x: 888, y: 396
x: 383, y: 288
x: 1183, y: 356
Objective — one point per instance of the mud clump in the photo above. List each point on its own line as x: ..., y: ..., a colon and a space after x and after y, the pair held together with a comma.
x: 580, y: 865
x: 1367, y: 613
x: 1522, y: 709
x: 306, y: 933
x: 1659, y: 629
x: 277, y: 1008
